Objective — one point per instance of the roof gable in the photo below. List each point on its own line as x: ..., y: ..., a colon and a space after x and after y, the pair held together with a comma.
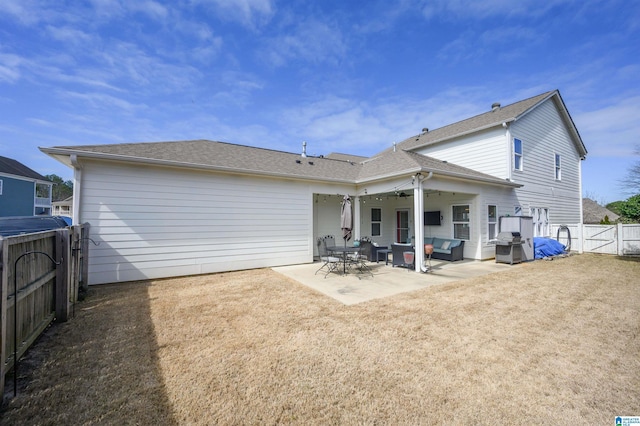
x: 494, y: 118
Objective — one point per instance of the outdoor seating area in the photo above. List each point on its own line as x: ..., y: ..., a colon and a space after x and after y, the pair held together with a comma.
x: 446, y: 248
x: 341, y: 259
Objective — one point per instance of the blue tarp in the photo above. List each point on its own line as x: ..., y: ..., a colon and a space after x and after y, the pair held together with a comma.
x: 544, y: 247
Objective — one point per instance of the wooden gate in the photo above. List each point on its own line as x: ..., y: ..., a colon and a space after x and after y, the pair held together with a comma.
x: 40, y: 274
x: 600, y: 239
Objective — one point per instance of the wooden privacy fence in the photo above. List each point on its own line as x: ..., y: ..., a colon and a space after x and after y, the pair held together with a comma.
x: 42, y: 275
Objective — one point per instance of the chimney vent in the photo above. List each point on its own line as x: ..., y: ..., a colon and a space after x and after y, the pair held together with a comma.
x: 304, y: 149
x: 425, y: 130
x: 495, y: 106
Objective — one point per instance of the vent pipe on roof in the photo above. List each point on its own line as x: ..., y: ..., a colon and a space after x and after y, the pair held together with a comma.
x: 394, y: 147
x: 425, y: 130
x: 304, y: 149
x: 495, y: 106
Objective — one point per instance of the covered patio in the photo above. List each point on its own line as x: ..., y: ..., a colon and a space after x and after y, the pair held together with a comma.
x: 354, y: 288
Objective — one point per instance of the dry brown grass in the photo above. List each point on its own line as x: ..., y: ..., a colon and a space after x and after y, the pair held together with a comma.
x: 547, y: 343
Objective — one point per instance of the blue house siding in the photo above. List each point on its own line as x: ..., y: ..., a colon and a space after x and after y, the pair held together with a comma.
x: 17, y: 197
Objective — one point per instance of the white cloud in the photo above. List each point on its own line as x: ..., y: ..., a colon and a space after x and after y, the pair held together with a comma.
x: 309, y: 40
x: 250, y: 13
x: 475, y: 9
x: 613, y: 130
x: 10, y: 67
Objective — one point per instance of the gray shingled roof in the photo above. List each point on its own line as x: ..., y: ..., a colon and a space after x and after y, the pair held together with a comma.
x: 400, y: 161
x: 335, y: 167
x: 487, y: 120
x: 592, y: 212
x: 16, y: 168
x: 222, y: 156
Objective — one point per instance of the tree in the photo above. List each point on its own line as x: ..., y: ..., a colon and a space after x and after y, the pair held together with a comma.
x: 630, y: 209
x: 632, y: 181
x: 61, y: 190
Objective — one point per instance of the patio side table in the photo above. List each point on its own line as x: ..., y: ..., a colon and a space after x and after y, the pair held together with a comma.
x: 384, y: 252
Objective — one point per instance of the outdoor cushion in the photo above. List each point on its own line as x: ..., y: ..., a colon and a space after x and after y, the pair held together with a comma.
x: 445, y: 245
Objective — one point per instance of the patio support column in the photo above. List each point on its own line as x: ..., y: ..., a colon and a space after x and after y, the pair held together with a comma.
x: 418, y: 209
x: 356, y: 218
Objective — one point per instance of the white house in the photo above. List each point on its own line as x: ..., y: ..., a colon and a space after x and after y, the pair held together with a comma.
x: 191, y: 207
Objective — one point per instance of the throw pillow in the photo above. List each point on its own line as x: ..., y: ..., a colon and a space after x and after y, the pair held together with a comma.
x: 445, y: 245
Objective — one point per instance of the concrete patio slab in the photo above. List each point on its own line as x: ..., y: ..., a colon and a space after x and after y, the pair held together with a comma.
x: 386, y: 280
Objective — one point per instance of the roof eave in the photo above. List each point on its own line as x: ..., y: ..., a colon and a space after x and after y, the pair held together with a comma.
x: 61, y: 152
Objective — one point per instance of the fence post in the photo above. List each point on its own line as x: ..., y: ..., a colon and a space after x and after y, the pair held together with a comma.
x: 620, y: 235
x: 580, y: 229
x: 85, y: 256
x: 4, y: 277
x: 62, y: 274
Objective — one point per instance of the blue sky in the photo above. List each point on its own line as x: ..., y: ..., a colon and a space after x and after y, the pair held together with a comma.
x: 345, y: 76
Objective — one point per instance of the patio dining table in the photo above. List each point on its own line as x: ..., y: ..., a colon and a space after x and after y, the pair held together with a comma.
x: 343, y: 250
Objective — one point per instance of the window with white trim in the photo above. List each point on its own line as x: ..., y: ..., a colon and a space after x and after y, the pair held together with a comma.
x: 376, y: 222
x: 517, y: 154
x: 461, y: 228
x: 541, y: 226
x: 492, y: 222
x: 0, y: 186
x: 558, y: 170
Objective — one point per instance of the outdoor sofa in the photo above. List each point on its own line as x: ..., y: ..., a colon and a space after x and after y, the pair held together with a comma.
x: 446, y: 248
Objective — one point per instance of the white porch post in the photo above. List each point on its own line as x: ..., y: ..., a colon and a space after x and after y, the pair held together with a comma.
x: 356, y: 219
x: 418, y: 222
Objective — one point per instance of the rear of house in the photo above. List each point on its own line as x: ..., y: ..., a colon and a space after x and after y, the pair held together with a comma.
x: 180, y: 208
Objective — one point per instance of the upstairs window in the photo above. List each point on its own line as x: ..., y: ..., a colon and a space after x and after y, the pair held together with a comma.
x: 558, y: 171
x: 517, y: 154
x: 0, y: 186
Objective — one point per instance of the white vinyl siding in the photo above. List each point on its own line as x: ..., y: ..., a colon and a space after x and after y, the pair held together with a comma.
x: 543, y: 131
x: 160, y: 222
x: 484, y: 152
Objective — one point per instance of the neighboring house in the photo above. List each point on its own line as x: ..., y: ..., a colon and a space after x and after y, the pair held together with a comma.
x: 23, y: 192
x: 63, y: 207
x: 594, y: 213
x: 178, y: 208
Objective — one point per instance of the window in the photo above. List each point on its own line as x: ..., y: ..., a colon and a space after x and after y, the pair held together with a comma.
x: 0, y: 186
x: 540, y: 221
x: 517, y: 154
x: 461, y: 229
x: 558, y: 174
x: 402, y: 226
x: 492, y: 222
x: 376, y: 222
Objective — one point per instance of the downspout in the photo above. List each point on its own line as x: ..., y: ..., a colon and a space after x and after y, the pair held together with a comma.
x: 77, y: 186
x: 418, y: 218
x: 356, y: 218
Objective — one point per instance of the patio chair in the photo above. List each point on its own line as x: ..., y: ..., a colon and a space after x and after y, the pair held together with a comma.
x: 358, y: 260
x: 330, y: 263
